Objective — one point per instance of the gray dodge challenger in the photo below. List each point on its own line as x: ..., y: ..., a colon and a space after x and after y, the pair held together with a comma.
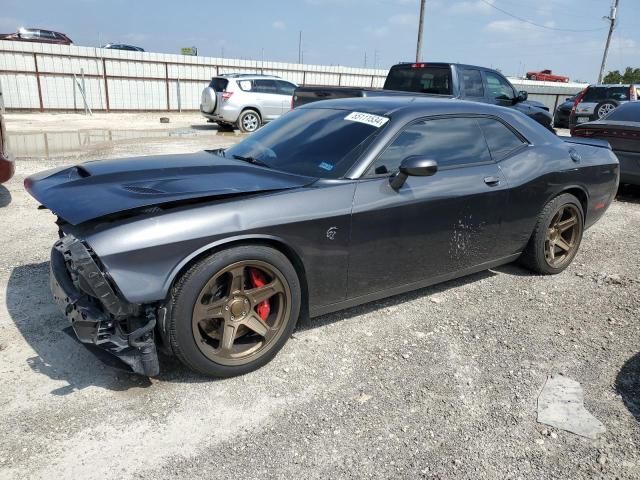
x: 214, y: 256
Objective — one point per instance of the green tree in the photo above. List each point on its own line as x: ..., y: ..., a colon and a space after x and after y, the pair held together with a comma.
x: 613, y: 77
x: 630, y: 75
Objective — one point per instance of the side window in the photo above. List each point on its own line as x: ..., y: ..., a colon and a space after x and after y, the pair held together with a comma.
x: 265, y: 86
x: 500, y: 139
x: 472, y: 83
x: 449, y: 141
x: 285, y: 88
x: 498, y: 87
x: 620, y: 94
x: 245, y: 85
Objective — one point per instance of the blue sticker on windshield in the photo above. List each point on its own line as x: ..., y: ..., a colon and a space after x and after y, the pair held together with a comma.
x: 326, y: 166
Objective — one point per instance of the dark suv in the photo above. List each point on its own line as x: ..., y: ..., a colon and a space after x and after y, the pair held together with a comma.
x: 596, y: 101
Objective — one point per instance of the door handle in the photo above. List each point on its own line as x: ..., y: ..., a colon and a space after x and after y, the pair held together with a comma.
x: 492, y: 181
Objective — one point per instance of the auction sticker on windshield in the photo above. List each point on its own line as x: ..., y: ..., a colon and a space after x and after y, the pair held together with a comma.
x: 368, y: 118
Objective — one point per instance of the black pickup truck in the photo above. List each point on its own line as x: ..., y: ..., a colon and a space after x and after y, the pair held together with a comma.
x: 452, y: 80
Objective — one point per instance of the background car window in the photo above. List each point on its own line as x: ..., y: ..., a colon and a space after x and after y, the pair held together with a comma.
x: 500, y: 139
x: 219, y: 84
x: 435, y: 80
x: 472, y: 83
x: 265, y: 86
x: 629, y: 112
x: 449, y: 141
x: 285, y: 88
x: 595, y: 94
x: 498, y: 87
x: 245, y: 85
x: 620, y: 94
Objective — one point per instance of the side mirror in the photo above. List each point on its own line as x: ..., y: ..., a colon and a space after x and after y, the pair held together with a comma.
x: 415, y: 166
x: 522, y: 96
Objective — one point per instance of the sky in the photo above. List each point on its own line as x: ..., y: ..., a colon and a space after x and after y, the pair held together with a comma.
x: 569, y: 40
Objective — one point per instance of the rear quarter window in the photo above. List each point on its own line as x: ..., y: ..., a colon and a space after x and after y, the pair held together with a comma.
x: 501, y: 140
x: 219, y: 84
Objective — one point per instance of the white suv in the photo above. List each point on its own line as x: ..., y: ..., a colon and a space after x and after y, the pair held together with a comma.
x: 246, y: 101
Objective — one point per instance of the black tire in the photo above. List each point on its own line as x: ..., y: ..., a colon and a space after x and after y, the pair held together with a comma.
x: 534, y: 256
x: 603, y: 108
x: 186, y: 292
x: 247, y: 126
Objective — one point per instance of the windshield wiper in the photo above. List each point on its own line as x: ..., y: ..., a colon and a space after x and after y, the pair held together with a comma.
x: 252, y: 160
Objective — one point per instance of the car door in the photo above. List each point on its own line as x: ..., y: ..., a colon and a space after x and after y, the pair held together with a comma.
x: 498, y: 90
x: 432, y: 226
x: 285, y: 90
x: 268, y: 99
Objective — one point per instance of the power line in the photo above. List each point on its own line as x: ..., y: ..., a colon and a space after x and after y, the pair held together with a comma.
x: 524, y: 20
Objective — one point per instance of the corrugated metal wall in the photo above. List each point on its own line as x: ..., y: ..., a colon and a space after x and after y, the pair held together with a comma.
x: 37, y: 76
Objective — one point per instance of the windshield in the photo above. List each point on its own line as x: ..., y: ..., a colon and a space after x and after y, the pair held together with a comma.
x: 314, y: 142
x: 629, y: 112
x: 435, y: 80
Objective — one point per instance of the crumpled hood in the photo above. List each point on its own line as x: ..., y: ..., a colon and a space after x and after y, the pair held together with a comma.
x: 94, y: 189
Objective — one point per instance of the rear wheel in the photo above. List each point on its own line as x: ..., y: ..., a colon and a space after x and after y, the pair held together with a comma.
x: 557, y: 236
x: 249, y: 121
x: 232, y: 312
x: 603, y: 108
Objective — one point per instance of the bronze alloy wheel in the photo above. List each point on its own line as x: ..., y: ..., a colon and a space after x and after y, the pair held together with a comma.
x: 563, y: 236
x: 227, y: 320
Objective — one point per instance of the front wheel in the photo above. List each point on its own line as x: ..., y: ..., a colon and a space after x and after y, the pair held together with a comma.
x: 556, y: 237
x: 233, y: 311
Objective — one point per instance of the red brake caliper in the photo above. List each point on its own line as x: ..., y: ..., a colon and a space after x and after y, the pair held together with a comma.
x: 258, y: 280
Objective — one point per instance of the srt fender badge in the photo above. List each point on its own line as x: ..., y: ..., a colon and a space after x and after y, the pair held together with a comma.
x: 331, y: 233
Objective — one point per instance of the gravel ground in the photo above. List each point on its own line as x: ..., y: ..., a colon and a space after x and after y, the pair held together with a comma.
x: 438, y: 383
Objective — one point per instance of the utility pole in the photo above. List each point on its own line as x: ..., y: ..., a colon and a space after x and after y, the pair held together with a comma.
x: 612, y: 24
x: 420, y: 27
x: 300, y: 47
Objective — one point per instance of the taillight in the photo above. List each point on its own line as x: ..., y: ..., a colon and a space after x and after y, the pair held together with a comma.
x: 417, y: 65
x: 226, y: 96
x: 581, y: 132
x: 578, y: 100
x: 633, y: 94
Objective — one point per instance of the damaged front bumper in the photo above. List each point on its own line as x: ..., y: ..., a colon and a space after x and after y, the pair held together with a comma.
x: 97, y: 314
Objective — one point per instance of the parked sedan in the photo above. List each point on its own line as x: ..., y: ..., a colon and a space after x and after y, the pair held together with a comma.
x: 7, y: 166
x: 621, y: 128
x: 37, y: 35
x: 122, y: 46
x: 216, y: 255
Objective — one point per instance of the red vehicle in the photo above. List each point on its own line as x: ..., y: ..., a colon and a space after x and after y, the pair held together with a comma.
x: 37, y: 35
x: 7, y: 167
x: 546, y: 76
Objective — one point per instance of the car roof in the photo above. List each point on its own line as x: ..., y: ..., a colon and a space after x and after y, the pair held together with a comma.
x: 392, y: 105
x: 609, y: 85
x: 246, y: 75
